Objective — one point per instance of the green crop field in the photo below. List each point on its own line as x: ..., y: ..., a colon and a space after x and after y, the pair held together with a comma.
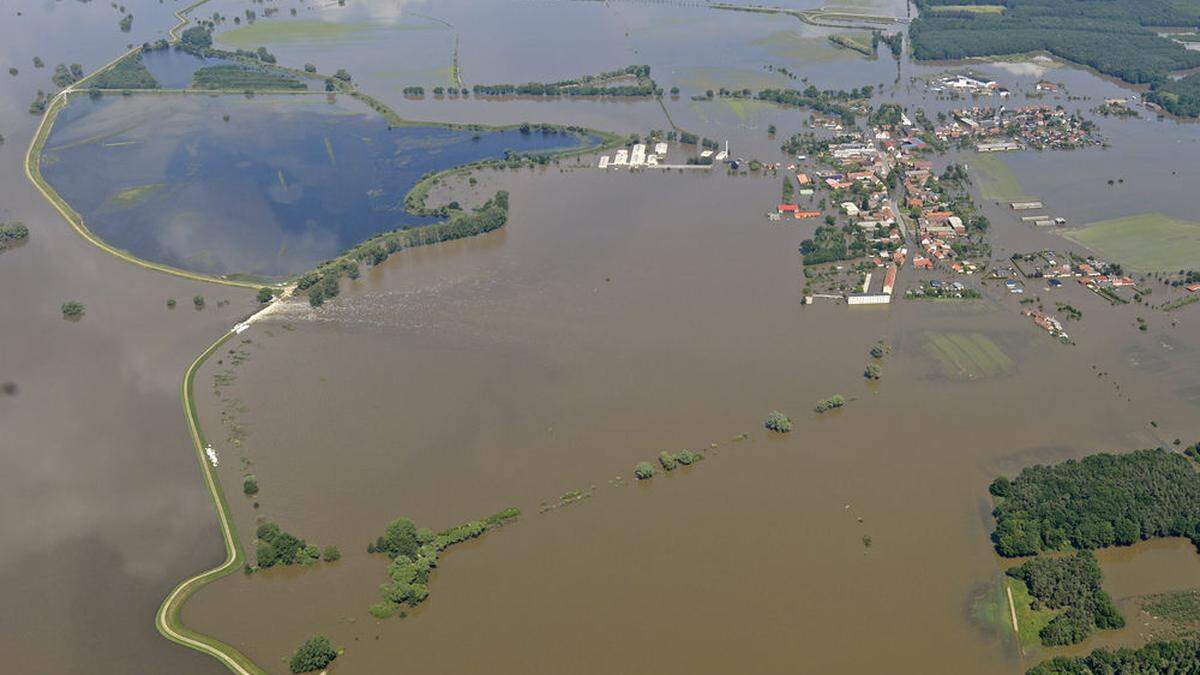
x: 967, y: 356
x: 1148, y: 242
x: 997, y: 182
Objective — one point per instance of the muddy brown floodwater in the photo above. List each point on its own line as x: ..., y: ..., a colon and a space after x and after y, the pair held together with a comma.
x: 618, y: 315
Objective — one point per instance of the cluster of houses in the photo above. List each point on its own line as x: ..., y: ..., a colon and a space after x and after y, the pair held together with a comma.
x: 1090, y: 272
x: 937, y: 226
x: 1039, y: 127
x: 1051, y: 325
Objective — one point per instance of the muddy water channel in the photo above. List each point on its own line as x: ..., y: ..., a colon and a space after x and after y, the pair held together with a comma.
x: 616, y: 316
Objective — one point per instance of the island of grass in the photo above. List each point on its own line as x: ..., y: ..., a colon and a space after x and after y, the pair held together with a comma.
x: 1148, y: 242
x: 1101, y: 500
x: 414, y: 553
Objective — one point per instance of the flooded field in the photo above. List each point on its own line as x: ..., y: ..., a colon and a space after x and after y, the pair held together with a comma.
x: 617, y: 315
x: 300, y: 179
x: 511, y: 369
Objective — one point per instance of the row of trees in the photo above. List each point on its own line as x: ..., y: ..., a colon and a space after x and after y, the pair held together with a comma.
x: 588, y: 85
x: 1101, y: 500
x: 1177, y: 656
x: 241, y: 77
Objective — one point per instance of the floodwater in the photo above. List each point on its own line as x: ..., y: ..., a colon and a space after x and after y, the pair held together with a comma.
x: 617, y: 315
x: 102, y: 509
x: 298, y: 178
x: 554, y: 355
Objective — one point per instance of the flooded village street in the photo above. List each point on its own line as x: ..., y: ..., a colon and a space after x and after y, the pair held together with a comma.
x: 617, y: 314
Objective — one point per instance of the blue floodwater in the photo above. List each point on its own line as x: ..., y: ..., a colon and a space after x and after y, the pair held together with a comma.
x: 286, y: 183
x: 174, y: 69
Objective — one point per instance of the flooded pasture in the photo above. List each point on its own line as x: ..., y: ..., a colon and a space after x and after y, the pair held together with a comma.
x: 298, y: 179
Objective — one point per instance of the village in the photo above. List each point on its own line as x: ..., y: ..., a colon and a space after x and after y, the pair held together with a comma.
x: 897, y: 211
x: 1038, y: 127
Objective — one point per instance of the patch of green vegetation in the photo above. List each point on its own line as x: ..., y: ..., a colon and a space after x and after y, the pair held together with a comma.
x: 667, y: 460
x: 315, y: 654
x: 276, y: 547
x: 777, y: 421
x: 131, y: 196
x: 414, y: 553
x: 1030, y: 621
x: 1101, y: 500
x: 1070, y: 584
x: 72, y: 309
x: 996, y: 180
x: 240, y: 77
x: 859, y: 42
x: 825, y: 405
x: 643, y: 471
x: 128, y: 73
x: 967, y: 355
x: 1180, y: 656
x: 13, y: 234
x: 1117, y: 39
x: 1148, y: 242
x: 1178, y: 607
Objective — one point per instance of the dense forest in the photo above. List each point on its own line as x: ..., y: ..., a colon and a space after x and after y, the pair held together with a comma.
x: 1179, y: 97
x: 1101, y: 500
x: 1157, y: 657
x: 1071, y: 584
x: 1115, y: 38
